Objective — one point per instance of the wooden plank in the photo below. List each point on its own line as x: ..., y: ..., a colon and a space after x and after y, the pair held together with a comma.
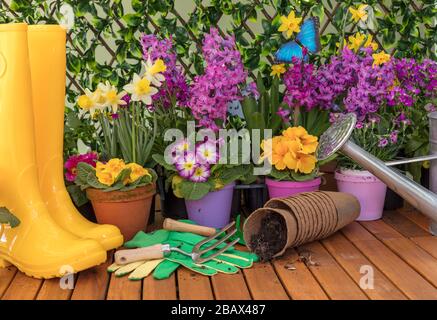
x: 413, y: 285
x: 230, y: 287
x: 417, y: 217
x: 404, y: 225
x: 299, y: 283
x: 123, y: 289
x: 416, y: 257
x: 92, y: 284
x: 335, y: 281
x: 51, y: 290
x: 193, y: 286
x: 352, y: 261
x: 263, y: 283
x: 159, y: 289
x: 429, y: 244
x: 6, y: 277
x: 23, y: 288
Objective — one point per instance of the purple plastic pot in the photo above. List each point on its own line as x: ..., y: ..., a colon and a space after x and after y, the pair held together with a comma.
x: 368, y: 189
x: 282, y: 189
x: 214, y: 209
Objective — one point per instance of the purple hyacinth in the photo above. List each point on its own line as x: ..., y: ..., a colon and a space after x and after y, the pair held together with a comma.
x: 212, y: 91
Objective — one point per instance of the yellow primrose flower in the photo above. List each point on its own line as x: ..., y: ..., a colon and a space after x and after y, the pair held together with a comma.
x: 137, y: 172
x: 370, y: 43
x: 153, y: 71
x: 278, y: 69
x: 355, y: 42
x: 380, y: 58
x: 294, y: 133
x: 100, y: 166
x: 175, y: 184
x: 309, y: 144
x: 110, y: 96
x: 305, y: 163
x: 141, y: 90
x: 426, y: 164
x: 359, y: 13
x: 115, y: 166
x: 105, y: 178
x: 290, y: 24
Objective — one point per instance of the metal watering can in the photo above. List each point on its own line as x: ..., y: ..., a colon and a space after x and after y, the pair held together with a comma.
x: 336, y: 138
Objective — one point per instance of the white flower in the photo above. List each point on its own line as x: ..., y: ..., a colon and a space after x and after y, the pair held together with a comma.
x: 141, y: 90
x: 110, y: 96
x: 153, y: 71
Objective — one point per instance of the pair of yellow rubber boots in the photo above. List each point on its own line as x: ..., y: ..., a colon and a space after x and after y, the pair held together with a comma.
x: 52, y: 235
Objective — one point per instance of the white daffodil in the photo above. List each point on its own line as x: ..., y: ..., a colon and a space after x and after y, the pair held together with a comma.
x: 153, y: 71
x: 141, y: 90
x: 90, y: 101
x: 110, y: 96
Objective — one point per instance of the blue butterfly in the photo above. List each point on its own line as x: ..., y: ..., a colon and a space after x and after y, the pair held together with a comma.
x: 308, y: 38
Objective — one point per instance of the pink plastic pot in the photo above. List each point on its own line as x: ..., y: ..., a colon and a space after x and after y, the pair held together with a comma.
x: 214, y: 209
x: 282, y: 189
x: 368, y: 189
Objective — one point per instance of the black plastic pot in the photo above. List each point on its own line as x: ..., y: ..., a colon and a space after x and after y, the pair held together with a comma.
x: 171, y: 206
x: 254, y: 196
x: 392, y: 200
x: 424, y: 180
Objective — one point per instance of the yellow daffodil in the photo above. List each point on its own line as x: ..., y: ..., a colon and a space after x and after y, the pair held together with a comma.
x: 360, y: 13
x: 86, y: 101
x: 110, y: 96
x: 355, y: 42
x: 290, y: 24
x: 278, y: 69
x: 141, y: 90
x: 370, y: 43
x: 105, y: 178
x: 380, y: 58
x: 137, y: 172
x: 153, y: 71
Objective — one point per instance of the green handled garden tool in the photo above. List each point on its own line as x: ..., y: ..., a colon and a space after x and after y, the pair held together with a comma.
x: 198, y: 255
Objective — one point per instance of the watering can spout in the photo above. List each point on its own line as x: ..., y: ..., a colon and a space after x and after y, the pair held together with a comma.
x: 336, y: 138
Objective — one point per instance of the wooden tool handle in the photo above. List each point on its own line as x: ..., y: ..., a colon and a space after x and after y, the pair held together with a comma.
x: 173, y: 225
x: 134, y: 255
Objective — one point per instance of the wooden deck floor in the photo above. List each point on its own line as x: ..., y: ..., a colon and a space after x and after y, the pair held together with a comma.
x: 399, y: 250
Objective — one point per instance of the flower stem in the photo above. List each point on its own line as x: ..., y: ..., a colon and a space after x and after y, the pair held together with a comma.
x: 134, y: 155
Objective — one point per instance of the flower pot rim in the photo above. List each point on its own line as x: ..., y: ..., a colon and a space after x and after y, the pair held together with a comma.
x: 359, y: 176
x: 286, y: 183
x: 121, y: 196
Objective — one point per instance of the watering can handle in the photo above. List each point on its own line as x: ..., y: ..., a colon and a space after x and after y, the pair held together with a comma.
x: 133, y: 255
x: 173, y: 225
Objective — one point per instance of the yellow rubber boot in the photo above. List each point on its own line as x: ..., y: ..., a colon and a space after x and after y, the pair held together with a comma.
x: 47, y: 64
x: 37, y: 246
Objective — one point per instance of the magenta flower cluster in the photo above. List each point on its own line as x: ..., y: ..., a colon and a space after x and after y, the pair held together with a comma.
x: 73, y: 161
x: 413, y: 81
x: 175, y: 84
x: 212, y: 91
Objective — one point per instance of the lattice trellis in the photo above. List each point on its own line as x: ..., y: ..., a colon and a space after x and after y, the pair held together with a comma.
x: 103, y: 44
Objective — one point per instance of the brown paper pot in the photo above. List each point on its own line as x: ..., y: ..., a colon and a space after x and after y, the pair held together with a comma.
x: 253, y: 224
x: 348, y: 208
x: 305, y: 220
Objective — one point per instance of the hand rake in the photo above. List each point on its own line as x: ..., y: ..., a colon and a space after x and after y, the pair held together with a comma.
x: 159, y: 251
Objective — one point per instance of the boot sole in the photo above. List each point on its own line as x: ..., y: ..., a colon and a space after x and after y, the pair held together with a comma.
x: 49, y: 272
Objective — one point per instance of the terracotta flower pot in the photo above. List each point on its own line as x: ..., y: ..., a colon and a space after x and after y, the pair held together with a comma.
x: 128, y: 210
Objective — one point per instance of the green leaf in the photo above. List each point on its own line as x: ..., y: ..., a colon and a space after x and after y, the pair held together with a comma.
x: 132, y: 19
x: 77, y: 195
x: 93, y: 182
x: 194, y: 190
x: 6, y: 217
x: 159, y: 158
